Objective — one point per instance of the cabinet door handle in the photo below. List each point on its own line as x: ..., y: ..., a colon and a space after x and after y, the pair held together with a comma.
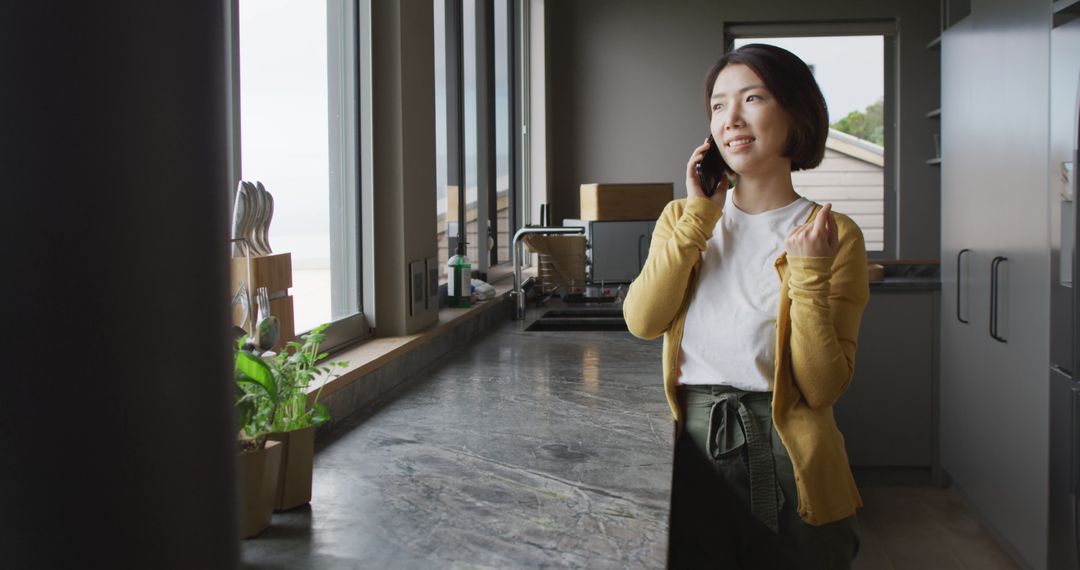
x: 994, y: 290
x: 958, y: 261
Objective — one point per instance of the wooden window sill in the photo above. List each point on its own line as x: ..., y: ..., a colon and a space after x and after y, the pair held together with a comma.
x: 374, y: 353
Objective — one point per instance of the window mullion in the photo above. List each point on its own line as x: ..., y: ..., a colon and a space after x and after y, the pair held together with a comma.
x: 485, y: 130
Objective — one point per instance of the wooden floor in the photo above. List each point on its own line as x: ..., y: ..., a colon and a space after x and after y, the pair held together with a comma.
x: 923, y: 528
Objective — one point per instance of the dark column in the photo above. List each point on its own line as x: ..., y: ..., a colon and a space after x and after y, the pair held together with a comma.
x: 116, y: 425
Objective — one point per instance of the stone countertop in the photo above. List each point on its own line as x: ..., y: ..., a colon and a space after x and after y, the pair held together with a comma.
x: 528, y: 449
x: 908, y: 276
x: 906, y: 284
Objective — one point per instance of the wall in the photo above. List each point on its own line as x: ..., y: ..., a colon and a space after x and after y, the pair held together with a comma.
x: 402, y: 159
x: 625, y: 82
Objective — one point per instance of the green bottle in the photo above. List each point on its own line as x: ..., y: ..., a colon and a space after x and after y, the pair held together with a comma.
x: 459, y: 279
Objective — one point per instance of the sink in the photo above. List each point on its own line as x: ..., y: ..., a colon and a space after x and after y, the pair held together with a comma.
x: 583, y: 313
x: 580, y: 319
x: 577, y: 298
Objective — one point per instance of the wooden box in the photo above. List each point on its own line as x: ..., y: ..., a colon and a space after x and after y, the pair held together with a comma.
x: 257, y: 476
x: 605, y: 202
x: 297, y: 460
x: 274, y: 272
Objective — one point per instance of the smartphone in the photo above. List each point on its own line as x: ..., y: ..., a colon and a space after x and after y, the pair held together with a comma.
x: 711, y: 168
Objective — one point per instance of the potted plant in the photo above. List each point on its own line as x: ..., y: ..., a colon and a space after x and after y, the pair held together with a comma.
x: 260, y: 458
x: 292, y: 418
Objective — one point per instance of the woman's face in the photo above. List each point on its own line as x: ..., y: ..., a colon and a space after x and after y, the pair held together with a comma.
x: 747, y: 122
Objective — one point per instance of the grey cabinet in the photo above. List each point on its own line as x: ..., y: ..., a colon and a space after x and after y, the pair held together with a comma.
x: 1064, y: 403
x: 994, y: 433
x: 887, y: 415
x: 616, y: 249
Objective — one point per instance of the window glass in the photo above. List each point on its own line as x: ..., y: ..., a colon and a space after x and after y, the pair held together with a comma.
x: 471, y: 164
x: 283, y: 138
x: 446, y: 187
x: 448, y: 193
x: 441, y: 133
x: 850, y: 70
x: 503, y: 130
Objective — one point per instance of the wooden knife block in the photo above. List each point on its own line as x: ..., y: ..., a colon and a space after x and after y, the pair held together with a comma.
x: 274, y: 272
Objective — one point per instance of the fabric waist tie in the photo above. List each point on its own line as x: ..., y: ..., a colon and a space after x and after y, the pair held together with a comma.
x: 732, y: 425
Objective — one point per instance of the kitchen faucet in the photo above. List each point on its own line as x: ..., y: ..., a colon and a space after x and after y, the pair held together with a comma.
x: 515, y: 251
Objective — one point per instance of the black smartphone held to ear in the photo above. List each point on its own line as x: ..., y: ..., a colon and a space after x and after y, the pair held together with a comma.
x: 711, y: 168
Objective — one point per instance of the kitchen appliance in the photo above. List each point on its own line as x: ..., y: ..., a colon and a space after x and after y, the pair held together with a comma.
x: 615, y: 251
x: 1064, y: 509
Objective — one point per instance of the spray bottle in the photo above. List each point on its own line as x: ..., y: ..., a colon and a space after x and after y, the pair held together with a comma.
x: 459, y: 278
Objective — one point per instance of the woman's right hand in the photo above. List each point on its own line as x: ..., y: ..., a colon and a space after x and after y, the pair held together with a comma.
x: 693, y: 187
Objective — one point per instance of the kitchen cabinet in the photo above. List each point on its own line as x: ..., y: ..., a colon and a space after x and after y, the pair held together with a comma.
x: 888, y: 414
x: 1064, y: 403
x: 1064, y: 528
x: 994, y: 313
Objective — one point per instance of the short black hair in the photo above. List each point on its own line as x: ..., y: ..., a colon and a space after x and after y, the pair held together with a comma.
x: 790, y: 80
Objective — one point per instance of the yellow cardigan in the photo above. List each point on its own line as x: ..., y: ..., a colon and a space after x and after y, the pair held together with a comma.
x: 817, y: 325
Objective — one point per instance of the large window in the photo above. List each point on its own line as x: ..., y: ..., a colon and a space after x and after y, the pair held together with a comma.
x: 851, y: 73
x: 297, y: 136
x: 446, y: 195
x: 474, y: 129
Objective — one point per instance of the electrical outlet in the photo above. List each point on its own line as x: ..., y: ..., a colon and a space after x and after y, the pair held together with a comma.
x: 431, y: 300
x: 416, y: 287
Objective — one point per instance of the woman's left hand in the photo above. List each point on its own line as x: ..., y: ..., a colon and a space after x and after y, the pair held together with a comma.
x: 818, y: 238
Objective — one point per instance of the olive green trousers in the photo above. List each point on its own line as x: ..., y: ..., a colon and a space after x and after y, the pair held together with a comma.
x: 733, y: 498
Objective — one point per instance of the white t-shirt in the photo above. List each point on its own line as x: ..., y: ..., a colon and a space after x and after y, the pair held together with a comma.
x: 730, y: 333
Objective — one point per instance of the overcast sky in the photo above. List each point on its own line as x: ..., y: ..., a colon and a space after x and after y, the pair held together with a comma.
x: 850, y: 70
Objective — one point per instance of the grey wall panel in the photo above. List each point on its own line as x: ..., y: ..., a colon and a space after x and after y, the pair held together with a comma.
x: 625, y: 93
x: 994, y: 396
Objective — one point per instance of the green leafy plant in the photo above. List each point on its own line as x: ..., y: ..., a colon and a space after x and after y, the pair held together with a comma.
x: 293, y: 370
x: 867, y: 125
x: 255, y: 390
x: 274, y: 397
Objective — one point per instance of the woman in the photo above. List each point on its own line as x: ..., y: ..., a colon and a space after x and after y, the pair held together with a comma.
x: 758, y: 293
